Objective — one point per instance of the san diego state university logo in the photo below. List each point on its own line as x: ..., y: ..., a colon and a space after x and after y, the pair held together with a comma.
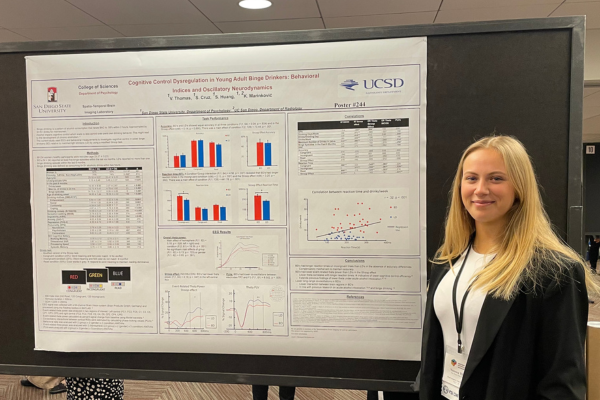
x: 52, y: 95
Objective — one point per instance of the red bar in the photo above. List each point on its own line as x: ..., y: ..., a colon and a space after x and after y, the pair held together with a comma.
x: 198, y: 214
x: 212, y: 155
x: 179, y: 208
x: 216, y: 211
x: 257, y: 208
x: 194, y: 154
x: 260, y: 155
x: 176, y: 161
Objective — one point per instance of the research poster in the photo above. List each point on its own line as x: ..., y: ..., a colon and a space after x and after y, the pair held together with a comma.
x: 247, y: 200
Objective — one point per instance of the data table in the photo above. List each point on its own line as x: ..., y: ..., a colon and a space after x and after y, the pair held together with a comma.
x: 370, y: 146
x: 95, y: 208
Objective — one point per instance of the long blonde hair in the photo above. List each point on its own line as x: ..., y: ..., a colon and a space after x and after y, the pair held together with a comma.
x: 529, y: 244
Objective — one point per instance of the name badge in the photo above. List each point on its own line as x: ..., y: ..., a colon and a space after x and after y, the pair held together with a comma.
x: 454, y: 370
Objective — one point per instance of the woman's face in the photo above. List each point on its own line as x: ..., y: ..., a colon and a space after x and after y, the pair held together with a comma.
x: 486, y: 191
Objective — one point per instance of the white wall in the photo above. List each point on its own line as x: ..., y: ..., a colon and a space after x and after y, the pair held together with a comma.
x: 592, y: 55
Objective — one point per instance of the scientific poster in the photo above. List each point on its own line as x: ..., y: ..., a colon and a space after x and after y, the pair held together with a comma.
x: 248, y: 200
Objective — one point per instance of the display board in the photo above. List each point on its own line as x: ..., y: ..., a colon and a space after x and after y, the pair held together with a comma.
x: 481, y: 77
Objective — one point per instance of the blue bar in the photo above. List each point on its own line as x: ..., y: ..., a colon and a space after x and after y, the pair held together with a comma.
x: 186, y: 210
x: 267, y: 153
x: 205, y: 214
x: 266, y: 210
x: 219, y: 158
x: 182, y: 161
x: 222, y: 214
x: 201, y: 153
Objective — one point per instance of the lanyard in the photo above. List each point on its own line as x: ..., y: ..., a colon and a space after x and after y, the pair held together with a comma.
x: 458, y: 317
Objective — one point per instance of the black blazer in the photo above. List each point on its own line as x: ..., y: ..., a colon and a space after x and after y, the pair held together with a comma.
x: 531, y: 347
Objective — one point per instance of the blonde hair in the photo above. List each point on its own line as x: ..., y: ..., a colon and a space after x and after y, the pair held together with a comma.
x: 529, y: 244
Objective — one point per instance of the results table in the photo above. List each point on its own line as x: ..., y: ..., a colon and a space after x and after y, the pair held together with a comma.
x: 369, y: 146
x: 95, y: 208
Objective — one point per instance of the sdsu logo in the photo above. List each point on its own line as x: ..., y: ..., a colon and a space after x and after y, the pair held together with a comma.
x: 52, y: 95
x: 51, y: 106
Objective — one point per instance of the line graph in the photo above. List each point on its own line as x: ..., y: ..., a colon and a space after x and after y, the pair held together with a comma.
x: 258, y: 252
x: 254, y: 310
x: 188, y: 309
x: 176, y: 324
x: 238, y: 249
x: 252, y: 304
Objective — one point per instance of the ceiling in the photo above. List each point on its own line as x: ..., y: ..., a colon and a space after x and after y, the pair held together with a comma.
x: 31, y: 20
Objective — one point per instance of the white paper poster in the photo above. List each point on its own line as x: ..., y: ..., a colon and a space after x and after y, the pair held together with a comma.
x: 251, y: 200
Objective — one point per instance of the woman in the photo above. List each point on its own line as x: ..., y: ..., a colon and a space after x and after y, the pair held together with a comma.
x: 511, y: 325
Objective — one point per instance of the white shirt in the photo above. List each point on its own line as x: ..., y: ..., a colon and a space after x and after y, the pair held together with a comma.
x: 442, y: 300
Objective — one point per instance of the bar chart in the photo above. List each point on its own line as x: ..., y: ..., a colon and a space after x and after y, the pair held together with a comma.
x: 219, y: 213
x: 196, y: 204
x: 262, y: 208
x: 196, y: 151
x: 260, y: 150
x: 260, y: 203
x: 214, y: 159
x: 264, y: 154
